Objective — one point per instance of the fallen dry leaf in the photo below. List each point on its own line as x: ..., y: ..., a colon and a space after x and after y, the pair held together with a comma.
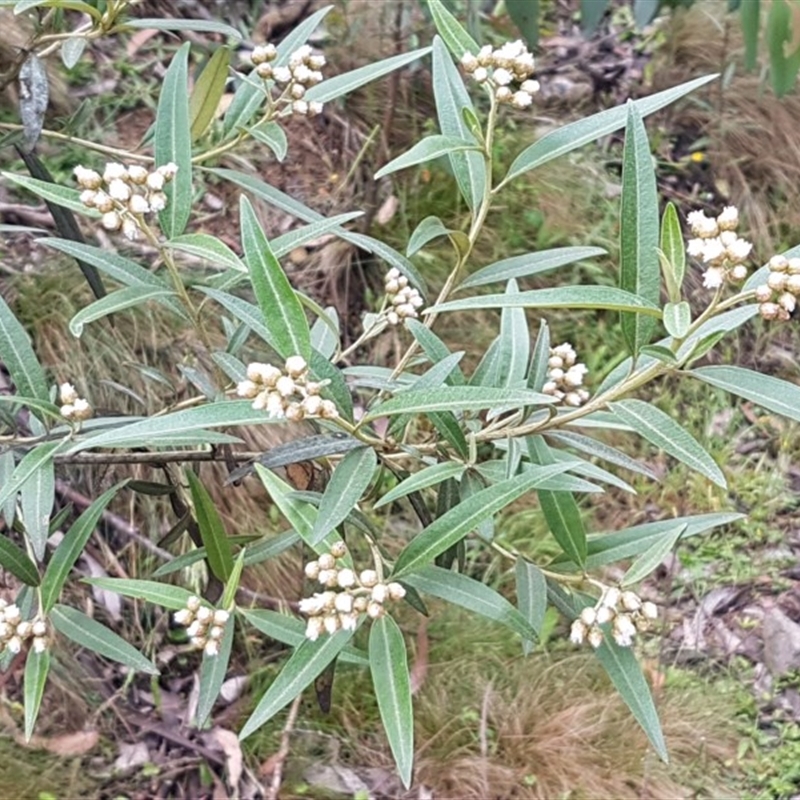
x: 67, y: 745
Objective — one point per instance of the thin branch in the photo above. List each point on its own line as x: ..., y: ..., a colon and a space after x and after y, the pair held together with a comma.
x: 283, y: 750
x: 156, y: 459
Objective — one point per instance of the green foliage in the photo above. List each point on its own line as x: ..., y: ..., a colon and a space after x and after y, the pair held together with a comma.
x: 458, y: 440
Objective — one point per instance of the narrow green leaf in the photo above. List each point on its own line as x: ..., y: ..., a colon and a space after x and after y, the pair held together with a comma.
x: 178, y: 426
x: 268, y: 548
x: 273, y: 136
x: 291, y: 631
x: 456, y: 523
x: 771, y: 393
x: 451, y: 99
x: 594, y: 448
x: 340, y: 85
x: 622, y: 667
x: 435, y: 349
x: 181, y: 24
x: 529, y: 264
x: 608, y: 548
x: 207, y: 92
x: 114, y: 302
x: 89, y: 633
x: 531, y: 597
x: 673, y: 250
x: 172, y: 142
x: 9, y: 506
x: 30, y: 464
x: 659, y: 353
x: 18, y: 357
x: 284, y: 317
x: 212, y: 675
x: 212, y: 531
x: 161, y: 594
x: 429, y: 476
x: 653, y: 556
x: 473, y: 595
x: 429, y: 229
x: 37, y: 665
x: 325, y: 333
x: 306, y: 663
x: 349, y: 481
x: 284, y: 244
x: 537, y: 371
x: 576, y: 297
x: 525, y: 15
x: 576, y: 134
x: 639, y: 266
x: 456, y: 398
x: 300, y: 515
x: 453, y: 34
x: 592, y: 11
x: 181, y: 562
x: 514, y: 344
x: 427, y: 149
x: 208, y: 247
x: 71, y: 547
x: 750, y: 18
x: 662, y: 431
x: 37, y: 497
x: 389, y: 667
x: 17, y: 562
x: 53, y: 193
x: 560, y: 509
x: 677, y: 319
x: 244, y: 312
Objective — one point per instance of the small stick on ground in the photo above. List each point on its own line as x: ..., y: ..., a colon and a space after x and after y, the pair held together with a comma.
x: 283, y: 750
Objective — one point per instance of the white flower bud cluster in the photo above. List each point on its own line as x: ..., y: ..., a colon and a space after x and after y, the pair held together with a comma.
x: 565, y: 377
x: 286, y: 394
x: 404, y: 299
x: 507, y: 70
x: 348, y: 595
x: 778, y: 296
x: 124, y: 194
x: 717, y: 245
x: 626, y: 612
x: 14, y: 631
x: 204, y: 625
x: 73, y: 408
x: 302, y: 73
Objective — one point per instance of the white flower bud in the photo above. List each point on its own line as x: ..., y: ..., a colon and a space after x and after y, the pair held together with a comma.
x: 396, y: 591
x: 317, y: 61
x: 577, y: 633
x: 285, y: 386
x: 195, y: 629
x: 114, y: 171
x: 296, y: 366
x: 312, y: 405
x: 130, y: 229
x: 157, y: 200
x: 368, y: 578
x: 87, y: 178
x: 275, y: 405
x: 5, y: 630
x: 788, y: 302
x: 259, y: 54
x: 624, y: 630
x: 649, y: 610
x: 728, y: 220
x: 314, y: 628
x: 331, y: 623
x: 701, y: 225
x: 777, y: 281
x: 119, y: 190
x: 521, y: 100
x: 155, y: 181
x: 360, y: 604
x: 793, y: 266
x: 611, y: 597
x: 327, y: 561
x: 67, y: 393
x: 211, y: 648
x: 738, y: 273
x: 168, y: 170
x: 312, y: 570
x: 264, y: 71
x: 763, y: 293
x: 573, y: 399
x: 221, y: 616
x: 328, y: 410
x: 344, y: 603
x: 310, y: 605
x: 111, y: 221
x: 193, y: 603
x: 530, y: 86
x: 374, y: 610
x: 215, y: 632
x: 346, y: 578
x: 595, y: 637
x: 14, y: 645
x: 183, y: 617
x: 87, y: 197
x: 23, y: 629
x: 204, y: 615
x: 349, y: 622
x: 103, y: 203
x: 138, y: 204
x: 484, y: 57
x: 588, y: 616
x: 469, y: 62
x: 502, y: 77
x: 300, y: 107
x: 315, y: 108
x: 380, y: 593
x: 630, y: 601
x: 713, y: 277
x: 327, y: 576
x: 480, y: 74
x: 282, y: 74
x: 294, y: 412
x: 793, y: 284
x: 246, y: 389
x: 137, y: 174
x: 604, y: 614
x: 39, y: 644
x: 769, y: 310
x: 39, y: 627
x: 297, y: 91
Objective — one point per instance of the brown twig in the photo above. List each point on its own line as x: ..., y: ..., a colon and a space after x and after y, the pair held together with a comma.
x: 283, y: 750
x: 163, y: 457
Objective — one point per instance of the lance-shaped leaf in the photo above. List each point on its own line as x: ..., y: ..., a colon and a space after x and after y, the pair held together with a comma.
x: 575, y: 297
x: 172, y: 142
x: 453, y: 34
x: 662, y: 431
x: 451, y: 99
x: 456, y: 398
x: 771, y: 393
x: 208, y: 247
x: 432, y: 228
x: 347, y: 82
x: 653, y: 556
x: 31, y: 462
x: 389, y: 667
x: 529, y: 264
x: 473, y: 595
x: 673, y: 252
x: 179, y: 426
x: 531, y: 597
x: 283, y: 314
x: 36, y: 500
x: 207, y: 92
x: 677, y: 319
x: 576, y: 134
x: 513, y: 344
x: 291, y: 631
x: 429, y: 476
x: 116, y: 301
x: 71, y: 547
x: 560, y: 509
x: 162, y: 594
x: 307, y: 661
x: 18, y: 357
x: 435, y: 349
x: 348, y: 482
x: 53, y: 193
x: 639, y: 268
x: 89, y: 633
x: 456, y: 523
x: 429, y: 148
x: 180, y: 24
x: 212, y: 531
x: 17, y: 562
x: 212, y: 675
x: 37, y: 666
x: 622, y: 667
